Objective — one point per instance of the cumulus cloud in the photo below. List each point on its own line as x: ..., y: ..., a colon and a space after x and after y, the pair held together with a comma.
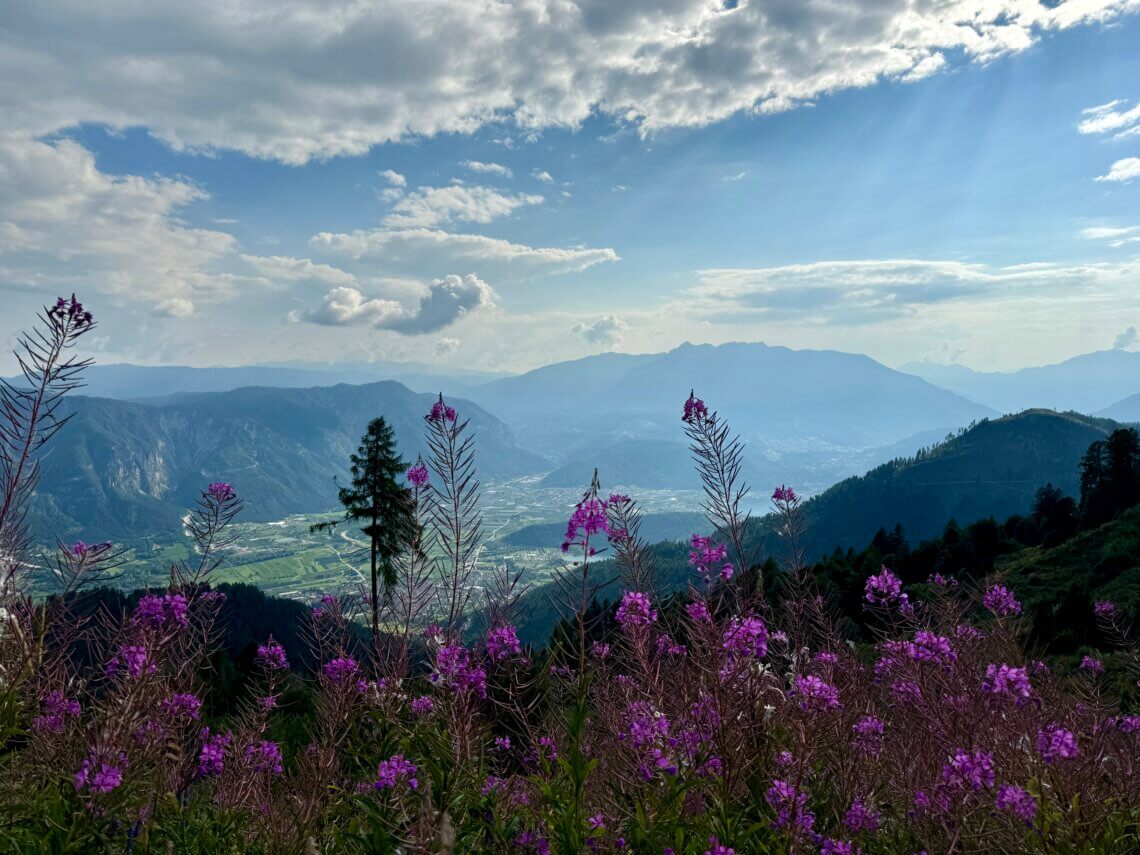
x: 870, y: 291
x: 433, y: 206
x: 1122, y: 170
x: 64, y: 221
x: 1117, y: 236
x: 394, y: 179
x: 414, y: 247
x: 606, y: 331
x: 542, y: 175
x: 489, y: 168
x: 336, y: 77
x: 446, y: 301
x: 280, y: 268
x: 446, y: 346
x: 1125, y: 340
x: 1110, y: 117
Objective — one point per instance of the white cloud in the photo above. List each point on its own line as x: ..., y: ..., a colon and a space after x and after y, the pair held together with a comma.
x: 1122, y: 170
x: 739, y: 176
x: 322, y: 78
x: 1125, y: 340
x: 606, y: 331
x: 489, y: 168
x: 394, y: 179
x: 417, y: 247
x: 64, y: 222
x: 1116, y: 236
x: 447, y: 300
x: 542, y: 175
x: 1106, y: 118
x: 446, y: 346
x: 870, y: 291
x: 432, y: 206
x: 280, y: 268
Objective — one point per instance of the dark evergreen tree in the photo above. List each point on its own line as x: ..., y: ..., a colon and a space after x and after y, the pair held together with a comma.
x: 1110, y: 477
x: 382, y: 504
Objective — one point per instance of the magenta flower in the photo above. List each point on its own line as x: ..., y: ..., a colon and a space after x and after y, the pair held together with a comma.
x: 929, y: 647
x: 831, y: 846
x: 588, y: 519
x: 441, y: 413
x: 785, y: 495
x: 635, y: 611
x: 883, y: 588
x: 57, y: 709
x: 860, y: 817
x: 212, y: 757
x: 695, y: 410
x: 1006, y: 680
x: 184, y: 706
x: 1105, y: 609
x: 393, y: 770
x: 418, y: 474
x: 422, y: 705
x: 790, y: 804
x: 868, y: 735
x: 157, y: 611
x: 1017, y: 801
x: 1093, y: 666
x: 716, y: 848
x: 698, y: 612
x: 1001, y: 601
x: 134, y: 657
x: 97, y: 777
x: 814, y: 694
x: 71, y: 312
x: 746, y: 637
x: 264, y: 756
x: 1057, y: 743
x: 974, y: 770
x: 709, y: 558
x: 220, y: 491
x: 503, y: 643
x: 271, y: 655
x: 455, y: 670
x: 341, y: 669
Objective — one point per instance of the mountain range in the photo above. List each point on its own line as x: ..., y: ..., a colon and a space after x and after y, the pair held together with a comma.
x: 1089, y: 383
x: 122, y: 468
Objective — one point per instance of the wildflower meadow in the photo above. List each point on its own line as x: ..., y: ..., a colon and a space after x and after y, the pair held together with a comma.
x: 732, y: 717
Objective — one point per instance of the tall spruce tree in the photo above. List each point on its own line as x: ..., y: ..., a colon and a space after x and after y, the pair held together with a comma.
x: 382, y: 504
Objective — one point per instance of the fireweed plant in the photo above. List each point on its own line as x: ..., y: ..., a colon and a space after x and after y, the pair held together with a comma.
x: 732, y: 717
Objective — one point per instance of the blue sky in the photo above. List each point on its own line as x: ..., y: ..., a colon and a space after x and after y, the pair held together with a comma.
x: 953, y: 182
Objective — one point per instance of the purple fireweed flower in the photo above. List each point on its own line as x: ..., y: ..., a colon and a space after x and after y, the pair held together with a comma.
x: 930, y: 647
x: 134, y: 657
x: 1105, y: 609
x: 966, y: 633
x: 267, y: 702
x: 503, y: 643
x: 744, y: 637
x: 709, y: 558
x: 666, y: 646
x: 860, y: 817
x: 1001, y: 601
x: 589, y: 518
x: 156, y: 610
x: 1007, y: 680
x: 1093, y: 666
x: 716, y: 848
x: 455, y: 670
x: 271, y: 655
x: 502, y: 743
x: 1017, y: 801
x: 212, y: 757
x: 599, y: 650
x: 618, y: 499
x: 597, y: 821
x: 440, y: 412
x: 183, y: 706
x: 883, y: 588
x: 825, y: 658
x: 831, y: 846
x: 940, y: 581
x: 418, y: 474
x: 70, y: 311
x: 422, y: 705
x: 814, y: 694
x: 1057, y: 743
x: 220, y: 491
x: 790, y: 804
x: 1128, y: 723
x: 646, y: 725
x: 341, y: 669
x: 490, y: 785
x: 784, y: 494
x: 974, y: 770
x: 695, y: 410
x: 57, y: 709
x: 868, y: 737
x: 264, y: 756
x: 97, y: 777
x: 698, y: 612
x: 635, y: 611
x: 393, y: 770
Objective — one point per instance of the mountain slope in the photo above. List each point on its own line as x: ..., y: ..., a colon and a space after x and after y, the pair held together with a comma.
x: 1087, y: 383
x: 121, y: 470
x: 1127, y: 410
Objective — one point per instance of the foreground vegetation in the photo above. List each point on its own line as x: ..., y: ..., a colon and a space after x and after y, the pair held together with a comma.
x: 759, y: 712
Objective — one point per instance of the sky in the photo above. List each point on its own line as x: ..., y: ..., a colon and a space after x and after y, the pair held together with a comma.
x: 500, y: 185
